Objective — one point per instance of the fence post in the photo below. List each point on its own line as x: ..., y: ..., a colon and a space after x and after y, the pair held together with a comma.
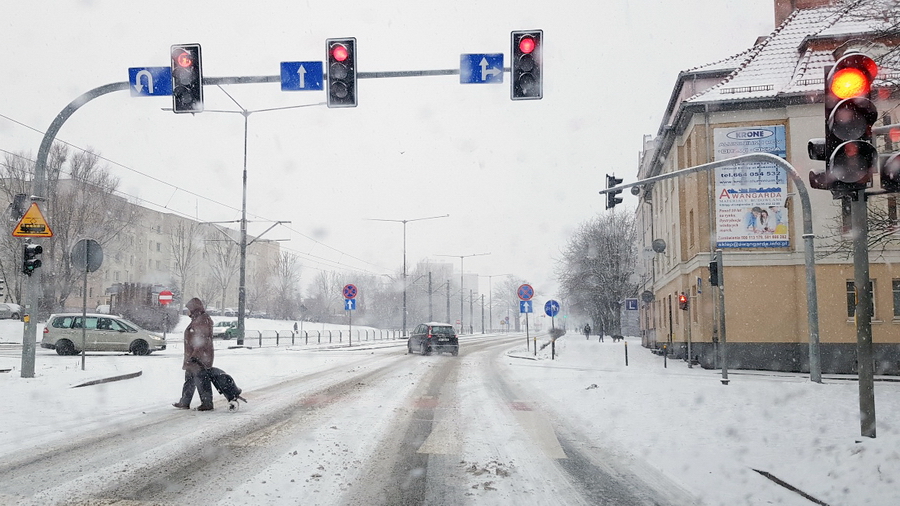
x: 260, y: 337
x: 277, y: 338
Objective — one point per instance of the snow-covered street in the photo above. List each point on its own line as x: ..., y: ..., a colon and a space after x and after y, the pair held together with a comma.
x: 369, y: 424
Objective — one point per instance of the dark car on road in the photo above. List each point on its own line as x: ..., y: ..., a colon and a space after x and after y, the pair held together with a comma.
x: 428, y: 338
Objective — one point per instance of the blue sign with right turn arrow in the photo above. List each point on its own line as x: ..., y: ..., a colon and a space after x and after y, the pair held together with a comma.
x: 480, y: 68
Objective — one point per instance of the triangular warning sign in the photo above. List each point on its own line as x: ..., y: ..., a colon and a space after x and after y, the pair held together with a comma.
x: 32, y: 224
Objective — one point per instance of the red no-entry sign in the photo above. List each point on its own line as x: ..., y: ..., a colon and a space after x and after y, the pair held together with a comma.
x: 165, y: 297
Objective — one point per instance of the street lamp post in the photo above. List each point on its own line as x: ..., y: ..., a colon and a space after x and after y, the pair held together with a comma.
x: 491, y: 298
x: 461, y: 287
x: 404, y: 222
x: 242, y: 277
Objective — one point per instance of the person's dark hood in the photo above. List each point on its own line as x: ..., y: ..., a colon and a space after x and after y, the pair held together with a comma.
x: 195, y: 307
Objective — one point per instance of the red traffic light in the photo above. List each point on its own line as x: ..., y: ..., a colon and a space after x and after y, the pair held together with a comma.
x: 184, y: 59
x: 527, y: 45
x: 339, y: 52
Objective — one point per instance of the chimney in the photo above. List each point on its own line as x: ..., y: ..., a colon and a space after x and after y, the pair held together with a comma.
x: 784, y: 8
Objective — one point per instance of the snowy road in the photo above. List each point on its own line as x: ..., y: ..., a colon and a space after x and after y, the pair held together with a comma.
x: 364, y: 425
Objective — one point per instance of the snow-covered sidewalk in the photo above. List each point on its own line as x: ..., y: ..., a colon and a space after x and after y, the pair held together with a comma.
x: 718, y: 440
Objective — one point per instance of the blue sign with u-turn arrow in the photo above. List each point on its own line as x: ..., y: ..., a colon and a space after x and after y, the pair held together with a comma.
x: 150, y: 81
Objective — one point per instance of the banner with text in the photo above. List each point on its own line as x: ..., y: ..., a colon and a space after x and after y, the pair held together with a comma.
x: 750, y: 197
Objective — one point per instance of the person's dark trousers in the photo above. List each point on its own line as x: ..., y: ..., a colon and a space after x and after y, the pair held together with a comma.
x: 200, y: 381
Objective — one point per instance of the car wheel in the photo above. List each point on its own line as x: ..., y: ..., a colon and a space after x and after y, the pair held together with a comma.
x: 408, y: 347
x: 15, y: 316
x: 140, y: 347
x: 426, y: 350
x: 65, y: 347
x: 455, y: 352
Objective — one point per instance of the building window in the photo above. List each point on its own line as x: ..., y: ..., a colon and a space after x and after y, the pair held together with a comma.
x: 157, y: 246
x: 851, y: 298
x: 896, y: 287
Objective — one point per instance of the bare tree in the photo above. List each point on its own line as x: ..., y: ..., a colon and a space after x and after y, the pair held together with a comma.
x: 325, y: 300
x: 285, y: 285
x: 185, y: 246
x: 596, y: 267
x: 223, y: 255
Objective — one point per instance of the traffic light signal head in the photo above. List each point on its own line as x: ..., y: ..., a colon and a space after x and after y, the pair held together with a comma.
x: 30, y: 260
x: 526, y: 66
x: 187, y: 78
x: 611, y: 198
x: 683, y: 303
x: 847, y: 149
x: 714, y: 273
x: 890, y: 174
x: 341, y: 58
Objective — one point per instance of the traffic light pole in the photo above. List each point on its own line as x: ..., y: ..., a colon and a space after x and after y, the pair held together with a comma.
x: 864, y: 355
x: 812, y: 302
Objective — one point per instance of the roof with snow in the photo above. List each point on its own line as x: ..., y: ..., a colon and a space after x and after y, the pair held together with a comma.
x: 791, y: 59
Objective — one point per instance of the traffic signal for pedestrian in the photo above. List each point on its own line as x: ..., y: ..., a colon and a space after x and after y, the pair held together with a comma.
x: 611, y: 198
x: 187, y: 78
x: 683, y: 303
x: 526, y: 66
x: 850, y: 158
x: 30, y: 260
x: 341, y: 58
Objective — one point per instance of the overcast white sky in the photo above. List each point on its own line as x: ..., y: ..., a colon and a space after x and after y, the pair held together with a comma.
x: 515, y: 177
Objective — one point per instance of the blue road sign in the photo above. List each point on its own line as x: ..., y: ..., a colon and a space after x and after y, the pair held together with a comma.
x: 631, y: 304
x: 349, y: 304
x: 480, y: 68
x: 301, y: 76
x: 150, y: 81
x: 551, y: 308
x: 526, y: 306
x: 350, y: 291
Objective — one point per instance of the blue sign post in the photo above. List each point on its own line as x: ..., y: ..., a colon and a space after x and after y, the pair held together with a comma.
x: 480, y: 68
x: 301, y: 76
x: 150, y: 81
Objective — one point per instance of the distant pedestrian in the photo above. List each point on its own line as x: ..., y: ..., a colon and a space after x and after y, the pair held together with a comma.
x: 295, y: 326
x: 198, y: 356
x: 587, y: 331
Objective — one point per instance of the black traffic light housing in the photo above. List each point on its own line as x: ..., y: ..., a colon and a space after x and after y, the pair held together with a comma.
x: 526, y: 66
x: 714, y: 273
x: 340, y: 55
x: 850, y: 158
x: 187, y: 78
x: 30, y: 260
x: 683, y: 302
x: 611, y: 198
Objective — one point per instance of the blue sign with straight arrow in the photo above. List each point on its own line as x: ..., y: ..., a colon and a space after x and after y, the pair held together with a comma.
x: 301, y: 76
x: 480, y: 68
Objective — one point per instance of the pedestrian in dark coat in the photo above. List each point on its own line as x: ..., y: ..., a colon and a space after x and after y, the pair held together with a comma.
x: 198, y: 356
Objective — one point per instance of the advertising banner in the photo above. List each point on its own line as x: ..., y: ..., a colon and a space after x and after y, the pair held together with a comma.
x: 750, y: 197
